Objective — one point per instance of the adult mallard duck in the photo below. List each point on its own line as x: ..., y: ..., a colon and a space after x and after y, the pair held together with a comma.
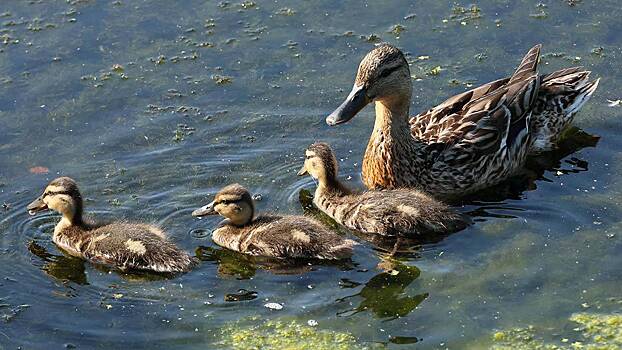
x: 126, y: 246
x: 290, y: 236
x: 399, y: 213
x: 472, y: 140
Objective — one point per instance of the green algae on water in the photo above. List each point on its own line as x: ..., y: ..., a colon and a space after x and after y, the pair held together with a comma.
x: 598, y: 332
x: 286, y: 335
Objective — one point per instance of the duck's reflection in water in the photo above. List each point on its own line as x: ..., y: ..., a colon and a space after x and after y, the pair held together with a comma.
x: 384, y: 294
x: 487, y: 202
x: 66, y: 268
x: 241, y: 266
x: 60, y: 267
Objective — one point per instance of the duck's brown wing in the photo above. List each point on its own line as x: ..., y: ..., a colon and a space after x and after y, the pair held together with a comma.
x: 484, y: 119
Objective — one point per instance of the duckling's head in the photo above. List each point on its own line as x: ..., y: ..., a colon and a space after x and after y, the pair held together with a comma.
x: 383, y: 75
x: 233, y: 202
x: 320, y: 163
x: 61, y: 195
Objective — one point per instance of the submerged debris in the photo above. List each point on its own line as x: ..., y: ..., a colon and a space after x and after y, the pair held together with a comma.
x: 12, y: 312
x: 397, y: 30
x: 248, y: 4
x: 222, y: 79
x: 274, y: 306
x: 614, y: 103
x: 241, y: 295
x: 285, y: 11
x: 182, y: 131
x: 435, y: 71
x: 464, y: 15
x: 598, y: 51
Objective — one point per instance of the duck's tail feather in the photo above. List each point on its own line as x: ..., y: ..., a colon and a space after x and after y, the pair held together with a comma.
x: 528, y: 66
x: 561, y: 95
x: 569, y: 89
x: 584, y: 92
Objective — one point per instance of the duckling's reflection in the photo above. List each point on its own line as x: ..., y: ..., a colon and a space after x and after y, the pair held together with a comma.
x: 61, y: 267
x: 66, y: 268
x: 383, y: 294
x: 242, y: 266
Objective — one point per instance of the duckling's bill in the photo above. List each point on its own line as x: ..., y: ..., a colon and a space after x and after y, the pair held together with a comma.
x: 205, y: 210
x: 36, y: 206
x: 356, y: 100
x: 303, y: 171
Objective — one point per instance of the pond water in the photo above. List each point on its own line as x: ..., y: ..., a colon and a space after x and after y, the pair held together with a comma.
x: 152, y: 106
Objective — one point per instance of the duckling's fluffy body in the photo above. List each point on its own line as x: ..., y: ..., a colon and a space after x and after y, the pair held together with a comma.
x: 389, y: 212
x: 271, y: 235
x: 283, y: 237
x: 397, y: 212
x: 126, y: 246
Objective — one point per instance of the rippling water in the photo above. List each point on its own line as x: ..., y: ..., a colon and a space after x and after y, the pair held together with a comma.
x: 156, y: 137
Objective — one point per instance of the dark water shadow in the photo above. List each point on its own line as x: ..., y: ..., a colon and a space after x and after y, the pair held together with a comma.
x: 383, y: 295
x: 66, y: 268
x: 242, y: 266
x: 495, y: 197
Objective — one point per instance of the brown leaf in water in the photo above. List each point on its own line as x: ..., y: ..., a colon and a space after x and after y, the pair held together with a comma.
x: 39, y: 170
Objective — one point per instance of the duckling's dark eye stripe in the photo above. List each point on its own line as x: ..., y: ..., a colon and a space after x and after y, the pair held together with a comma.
x: 55, y: 193
x: 386, y: 72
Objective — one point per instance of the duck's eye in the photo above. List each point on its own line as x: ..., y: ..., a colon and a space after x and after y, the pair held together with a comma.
x: 308, y: 157
x: 385, y: 73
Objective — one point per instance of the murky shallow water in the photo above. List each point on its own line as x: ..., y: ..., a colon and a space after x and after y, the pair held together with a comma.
x: 154, y: 139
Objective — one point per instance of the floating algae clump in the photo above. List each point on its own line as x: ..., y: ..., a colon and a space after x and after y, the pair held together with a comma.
x: 285, y: 335
x: 598, y: 332
x: 603, y: 331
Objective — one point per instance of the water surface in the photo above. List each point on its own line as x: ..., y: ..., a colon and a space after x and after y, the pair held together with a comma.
x: 153, y: 106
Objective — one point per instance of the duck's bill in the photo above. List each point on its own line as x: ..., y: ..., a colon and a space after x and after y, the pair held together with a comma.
x: 356, y: 100
x: 36, y: 206
x: 204, y: 211
x: 302, y: 171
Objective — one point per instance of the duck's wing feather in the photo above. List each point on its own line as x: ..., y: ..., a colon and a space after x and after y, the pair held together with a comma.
x: 528, y: 66
x: 485, y: 118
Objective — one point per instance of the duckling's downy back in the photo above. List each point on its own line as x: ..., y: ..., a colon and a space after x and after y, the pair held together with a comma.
x: 284, y: 237
x: 271, y: 236
x: 127, y: 246
x: 387, y: 212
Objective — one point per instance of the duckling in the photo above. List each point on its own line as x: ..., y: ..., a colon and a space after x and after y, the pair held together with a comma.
x: 126, y: 246
x: 291, y: 236
x: 398, y: 212
x: 472, y: 140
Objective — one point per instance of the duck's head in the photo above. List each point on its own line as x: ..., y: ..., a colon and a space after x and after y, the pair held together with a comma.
x: 320, y: 163
x: 234, y: 202
x: 383, y: 76
x: 61, y: 195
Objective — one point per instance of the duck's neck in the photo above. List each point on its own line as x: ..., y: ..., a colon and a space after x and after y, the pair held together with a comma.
x: 331, y: 186
x: 391, y: 146
x: 72, y: 216
x: 245, y: 216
